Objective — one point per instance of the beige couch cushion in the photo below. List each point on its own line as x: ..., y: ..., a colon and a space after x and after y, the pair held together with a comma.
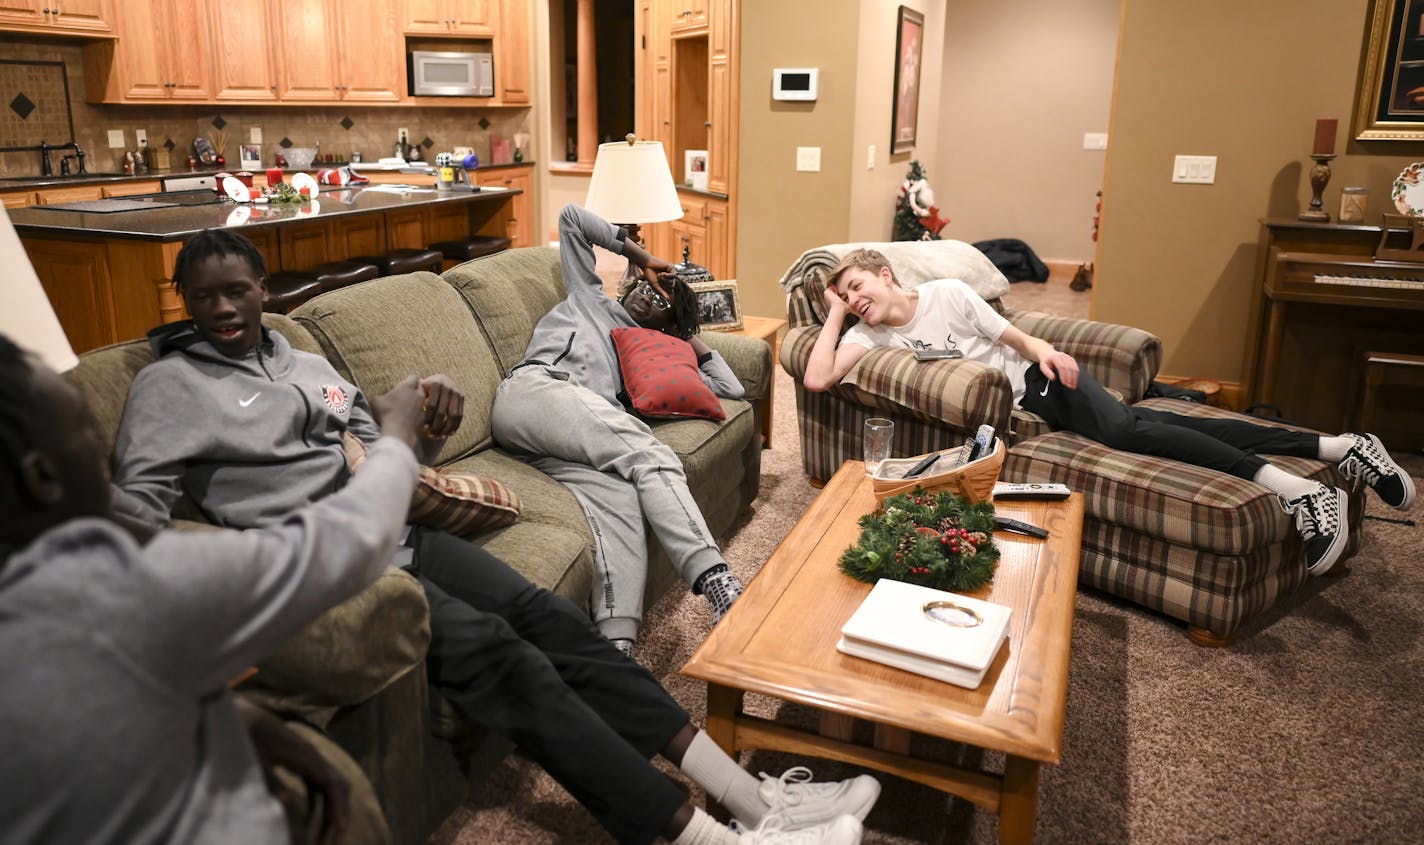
x: 378, y: 332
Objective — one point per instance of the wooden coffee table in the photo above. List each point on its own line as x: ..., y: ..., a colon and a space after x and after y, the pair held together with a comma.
x: 780, y: 640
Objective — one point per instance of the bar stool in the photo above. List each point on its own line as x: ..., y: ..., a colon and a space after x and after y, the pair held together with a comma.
x: 399, y: 261
x: 475, y: 246
x: 288, y: 289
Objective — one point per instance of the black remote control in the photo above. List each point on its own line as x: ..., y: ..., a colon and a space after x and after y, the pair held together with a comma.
x: 923, y: 465
x: 1020, y: 527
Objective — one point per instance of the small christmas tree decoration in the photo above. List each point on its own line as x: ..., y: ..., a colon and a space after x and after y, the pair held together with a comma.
x: 935, y: 540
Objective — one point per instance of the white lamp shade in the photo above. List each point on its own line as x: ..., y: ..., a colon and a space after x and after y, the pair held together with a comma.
x: 26, y: 317
x: 632, y: 184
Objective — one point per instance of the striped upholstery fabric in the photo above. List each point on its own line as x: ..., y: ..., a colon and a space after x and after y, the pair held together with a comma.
x: 1195, y: 544
x: 1121, y: 358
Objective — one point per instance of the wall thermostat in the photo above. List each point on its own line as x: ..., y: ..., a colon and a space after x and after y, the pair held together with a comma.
x: 794, y: 83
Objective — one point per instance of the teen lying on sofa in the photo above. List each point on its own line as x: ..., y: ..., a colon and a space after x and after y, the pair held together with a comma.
x: 251, y: 430
x: 947, y: 314
x: 607, y: 457
x: 120, y: 723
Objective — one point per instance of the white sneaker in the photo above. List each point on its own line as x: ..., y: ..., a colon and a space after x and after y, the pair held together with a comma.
x: 842, y: 830
x: 797, y: 802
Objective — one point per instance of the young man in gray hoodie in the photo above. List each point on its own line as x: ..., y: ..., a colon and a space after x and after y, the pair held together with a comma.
x: 118, y: 722
x: 611, y: 461
x: 251, y: 431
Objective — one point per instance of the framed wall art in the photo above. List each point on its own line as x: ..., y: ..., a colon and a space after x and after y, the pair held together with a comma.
x: 905, y: 109
x: 249, y: 156
x: 1391, y: 94
x: 718, y: 308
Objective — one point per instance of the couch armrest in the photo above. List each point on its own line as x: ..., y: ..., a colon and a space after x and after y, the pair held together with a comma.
x: 749, y: 358
x: 350, y: 653
x: 1123, y: 358
x: 957, y: 393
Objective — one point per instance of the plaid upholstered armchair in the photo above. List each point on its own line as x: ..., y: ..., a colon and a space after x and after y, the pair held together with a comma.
x: 936, y: 404
x: 1197, y: 545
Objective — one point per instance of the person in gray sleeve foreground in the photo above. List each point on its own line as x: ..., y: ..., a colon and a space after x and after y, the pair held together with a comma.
x: 118, y: 722
x: 559, y: 409
x: 251, y: 429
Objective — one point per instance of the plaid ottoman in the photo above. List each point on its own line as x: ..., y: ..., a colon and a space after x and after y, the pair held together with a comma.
x: 1198, y: 545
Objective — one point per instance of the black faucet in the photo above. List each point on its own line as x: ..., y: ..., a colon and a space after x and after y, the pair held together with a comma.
x: 47, y: 170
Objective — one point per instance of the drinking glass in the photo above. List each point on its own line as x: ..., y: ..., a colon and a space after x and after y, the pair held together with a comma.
x: 878, y: 434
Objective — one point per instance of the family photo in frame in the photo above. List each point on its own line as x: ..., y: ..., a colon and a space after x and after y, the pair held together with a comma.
x: 718, y: 308
x: 909, y: 38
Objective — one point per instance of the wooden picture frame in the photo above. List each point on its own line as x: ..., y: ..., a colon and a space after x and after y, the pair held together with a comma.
x: 905, y: 100
x: 718, y: 307
x: 1391, y: 92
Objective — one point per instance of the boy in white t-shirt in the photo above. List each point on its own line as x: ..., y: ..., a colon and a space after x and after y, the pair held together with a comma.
x: 947, y: 314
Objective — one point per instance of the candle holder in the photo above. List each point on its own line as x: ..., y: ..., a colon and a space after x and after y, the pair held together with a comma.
x: 1319, y: 178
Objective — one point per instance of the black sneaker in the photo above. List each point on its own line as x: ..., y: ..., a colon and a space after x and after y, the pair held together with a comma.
x: 1320, y: 517
x: 1368, y: 460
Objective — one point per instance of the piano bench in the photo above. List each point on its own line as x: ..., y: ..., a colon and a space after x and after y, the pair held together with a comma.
x: 1380, y: 368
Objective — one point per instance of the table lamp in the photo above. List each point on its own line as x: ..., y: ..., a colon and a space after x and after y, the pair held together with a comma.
x: 26, y: 316
x: 632, y: 185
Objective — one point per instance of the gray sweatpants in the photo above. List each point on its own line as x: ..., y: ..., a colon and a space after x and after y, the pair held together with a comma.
x: 620, y: 473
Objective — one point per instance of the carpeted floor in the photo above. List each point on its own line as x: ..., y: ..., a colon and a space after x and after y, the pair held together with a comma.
x: 1307, y: 730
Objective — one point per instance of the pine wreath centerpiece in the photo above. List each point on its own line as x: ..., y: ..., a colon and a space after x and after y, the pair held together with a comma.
x: 935, y: 540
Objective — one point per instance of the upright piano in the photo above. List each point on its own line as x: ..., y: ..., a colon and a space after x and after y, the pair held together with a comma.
x: 1325, y: 302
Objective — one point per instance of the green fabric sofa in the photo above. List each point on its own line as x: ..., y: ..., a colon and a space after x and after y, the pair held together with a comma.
x: 357, y: 673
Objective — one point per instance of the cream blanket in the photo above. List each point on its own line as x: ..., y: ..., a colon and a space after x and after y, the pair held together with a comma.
x: 914, y: 262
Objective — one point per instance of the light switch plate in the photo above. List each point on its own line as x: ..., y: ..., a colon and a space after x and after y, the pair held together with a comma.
x: 254, y: 135
x: 1095, y: 140
x: 116, y: 139
x: 141, y: 136
x: 1194, y: 170
x: 870, y: 158
x: 808, y: 159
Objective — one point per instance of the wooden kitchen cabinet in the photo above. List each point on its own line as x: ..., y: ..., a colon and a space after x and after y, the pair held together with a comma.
x: 511, y: 60
x: 73, y: 17
x: 75, y: 276
x: 331, y: 51
x: 244, y: 67
x: 451, y: 18
x: 75, y: 194
x: 521, y: 224
x: 687, y: 15
x: 17, y: 199
x: 161, y: 53
x: 131, y: 189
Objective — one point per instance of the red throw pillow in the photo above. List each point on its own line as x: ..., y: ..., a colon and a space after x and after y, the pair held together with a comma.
x: 660, y: 376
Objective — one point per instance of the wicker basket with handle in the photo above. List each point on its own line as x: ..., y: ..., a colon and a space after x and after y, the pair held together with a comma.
x: 974, y: 481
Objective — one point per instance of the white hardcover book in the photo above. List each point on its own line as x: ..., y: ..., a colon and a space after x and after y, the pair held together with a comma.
x: 930, y: 632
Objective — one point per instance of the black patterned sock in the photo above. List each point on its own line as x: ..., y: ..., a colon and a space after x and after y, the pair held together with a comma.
x: 721, y: 589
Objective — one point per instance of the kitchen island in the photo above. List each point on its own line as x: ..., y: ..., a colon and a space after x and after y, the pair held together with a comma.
x: 107, y: 265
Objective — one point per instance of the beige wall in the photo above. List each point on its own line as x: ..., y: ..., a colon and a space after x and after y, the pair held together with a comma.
x: 1023, y: 81
x: 872, y: 190
x: 781, y: 212
x: 1244, y: 82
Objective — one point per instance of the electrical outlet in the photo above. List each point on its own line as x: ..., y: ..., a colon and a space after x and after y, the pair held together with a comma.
x: 1095, y: 140
x: 404, y: 135
x: 808, y: 159
x: 141, y: 136
x: 1194, y: 170
x: 870, y: 158
x: 254, y: 135
x: 116, y: 139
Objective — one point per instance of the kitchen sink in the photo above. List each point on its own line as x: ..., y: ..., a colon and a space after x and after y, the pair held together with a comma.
x: 61, y: 177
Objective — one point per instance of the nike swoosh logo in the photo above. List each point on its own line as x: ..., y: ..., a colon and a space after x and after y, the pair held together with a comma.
x: 245, y: 402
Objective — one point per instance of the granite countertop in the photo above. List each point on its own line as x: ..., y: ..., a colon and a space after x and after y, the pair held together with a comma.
x: 182, y: 214
x: 30, y: 183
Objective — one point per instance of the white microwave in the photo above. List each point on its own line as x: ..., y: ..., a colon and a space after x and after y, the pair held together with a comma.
x: 451, y: 74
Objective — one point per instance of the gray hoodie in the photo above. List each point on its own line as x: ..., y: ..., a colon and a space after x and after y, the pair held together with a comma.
x: 249, y: 440
x: 574, y: 335
x: 117, y: 720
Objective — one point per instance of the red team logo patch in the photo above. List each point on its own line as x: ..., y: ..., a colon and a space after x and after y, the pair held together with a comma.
x: 336, y: 398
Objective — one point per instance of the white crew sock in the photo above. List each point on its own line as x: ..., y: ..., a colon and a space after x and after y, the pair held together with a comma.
x: 705, y: 830
x: 725, y: 781
x: 1333, y: 449
x: 1277, y: 480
